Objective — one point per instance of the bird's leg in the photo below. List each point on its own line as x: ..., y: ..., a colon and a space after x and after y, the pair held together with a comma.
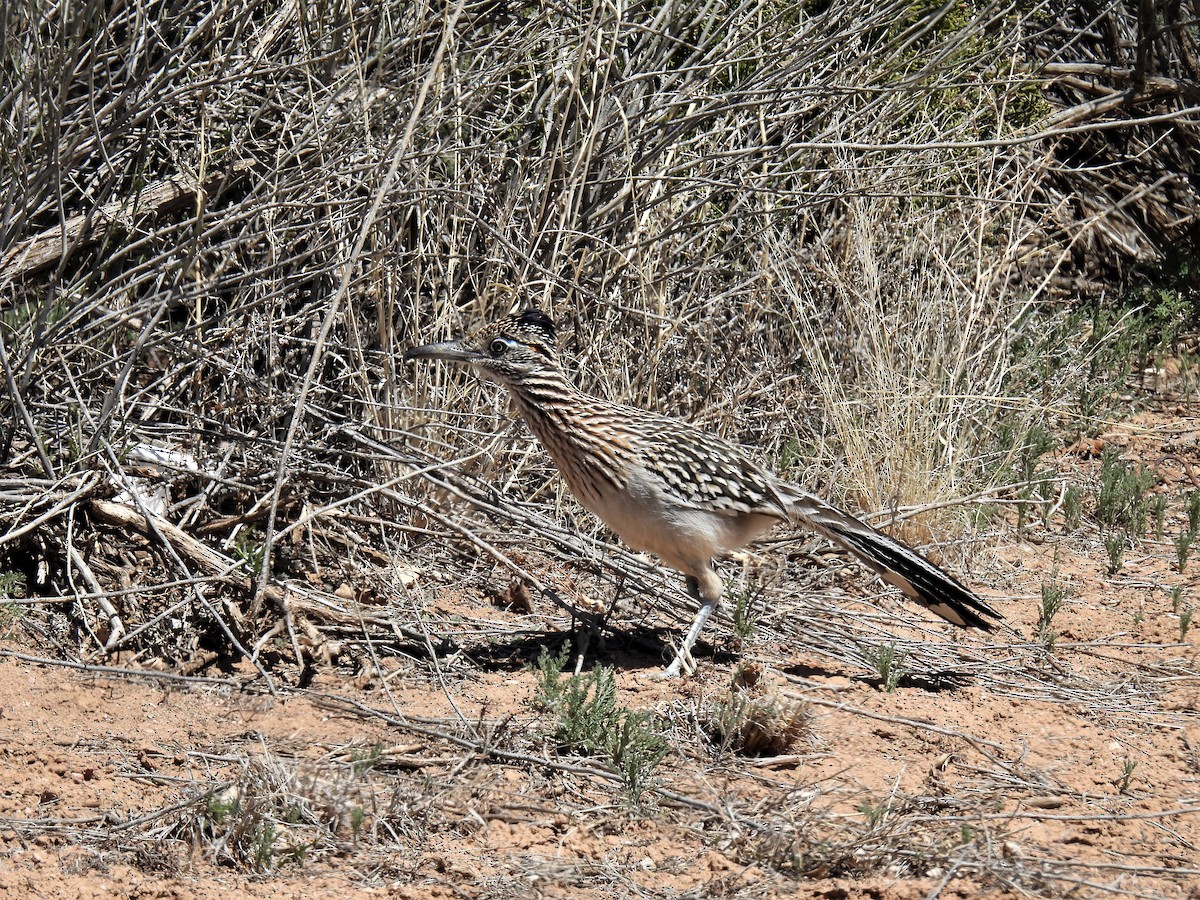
x: 683, y: 659
x: 585, y: 638
x: 594, y: 624
x: 583, y: 623
x: 585, y: 628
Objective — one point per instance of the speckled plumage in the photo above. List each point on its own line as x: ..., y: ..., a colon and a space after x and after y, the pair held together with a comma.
x: 672, y: 489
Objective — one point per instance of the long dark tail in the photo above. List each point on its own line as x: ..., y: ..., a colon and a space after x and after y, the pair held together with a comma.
x: 895, y: 563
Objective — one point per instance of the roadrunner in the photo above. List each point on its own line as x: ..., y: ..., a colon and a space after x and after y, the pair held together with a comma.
x: 671, y: 489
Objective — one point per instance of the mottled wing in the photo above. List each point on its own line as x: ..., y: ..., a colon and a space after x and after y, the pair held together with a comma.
x: 704, y: 471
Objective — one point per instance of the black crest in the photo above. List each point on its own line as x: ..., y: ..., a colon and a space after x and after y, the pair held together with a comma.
x: 536, y: 320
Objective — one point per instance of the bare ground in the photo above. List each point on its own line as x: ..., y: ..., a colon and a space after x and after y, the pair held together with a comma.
x: 1028, y: 772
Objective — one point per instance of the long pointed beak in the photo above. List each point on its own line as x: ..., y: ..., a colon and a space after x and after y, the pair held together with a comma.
x: 453, y: 351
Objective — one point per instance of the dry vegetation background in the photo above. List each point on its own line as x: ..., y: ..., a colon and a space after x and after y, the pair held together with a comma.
x: 907, y: 251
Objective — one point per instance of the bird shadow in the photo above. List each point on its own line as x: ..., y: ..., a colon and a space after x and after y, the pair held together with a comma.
x: 641, y: 647
x: 936, y: 682
x: 628, y: 649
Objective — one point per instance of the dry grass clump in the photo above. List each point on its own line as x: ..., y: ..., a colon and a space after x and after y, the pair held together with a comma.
x: 276, y: 812
x: 902, y: 837
x: 750, y: 720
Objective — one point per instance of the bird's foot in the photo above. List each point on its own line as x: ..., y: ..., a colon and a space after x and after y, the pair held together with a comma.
x: 683, y: 663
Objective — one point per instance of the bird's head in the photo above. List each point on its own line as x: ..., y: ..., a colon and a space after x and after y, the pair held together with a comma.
x: 507, y: 350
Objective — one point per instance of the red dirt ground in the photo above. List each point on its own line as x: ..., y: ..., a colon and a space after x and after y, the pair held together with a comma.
x: 1086, y: 783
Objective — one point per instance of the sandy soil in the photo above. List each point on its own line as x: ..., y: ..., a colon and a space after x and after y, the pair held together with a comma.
x: 1074, y: 772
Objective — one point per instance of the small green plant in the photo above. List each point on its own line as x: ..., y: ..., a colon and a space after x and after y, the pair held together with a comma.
x: 888, y: 661
x: 249, y: 547
x: 549, y: 674
x: 1128, y: 766
x: 243, y: 819
x: 1193, y: 512
x: 874, y: 813
x: 1038, y: 441
x: 1187, y: 374
x: 1158, y: 509
x: 1072, y: 507
x: 222, y: 806
x: 13, y: 586
x: 795, y: 452
x: 10, y: 614
x: 591, y: 723
x: 1115, y: 342
x: 1122, y: 501
x: 296, y: 854
x: 1183, y: 545
x: 1054, y: 598
x: 294, y: 814
x: 980, y: 515
x: 279, y: 809
x: 363, y: 761
x: 1176, y: 598
x: 586, y: 707
x: 1185, y: 623
x: 1114, y: 544
x: 358, y: 816
x: 744, y: 613
x: 230, y: 816
x: 263, y: 845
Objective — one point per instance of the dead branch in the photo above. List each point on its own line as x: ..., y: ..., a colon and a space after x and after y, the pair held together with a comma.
x: 32, y: 255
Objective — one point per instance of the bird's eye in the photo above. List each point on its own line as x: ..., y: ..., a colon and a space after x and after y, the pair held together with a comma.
x: 497, y: 347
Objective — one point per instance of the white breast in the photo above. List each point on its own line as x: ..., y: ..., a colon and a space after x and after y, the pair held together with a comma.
x: 684, y: 537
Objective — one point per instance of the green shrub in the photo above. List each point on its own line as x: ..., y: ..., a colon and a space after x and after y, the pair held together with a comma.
x: 1122, y: 502
x: 591, y: 723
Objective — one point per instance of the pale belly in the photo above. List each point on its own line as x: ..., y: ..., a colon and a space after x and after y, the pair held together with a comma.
x: 684, y: 538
